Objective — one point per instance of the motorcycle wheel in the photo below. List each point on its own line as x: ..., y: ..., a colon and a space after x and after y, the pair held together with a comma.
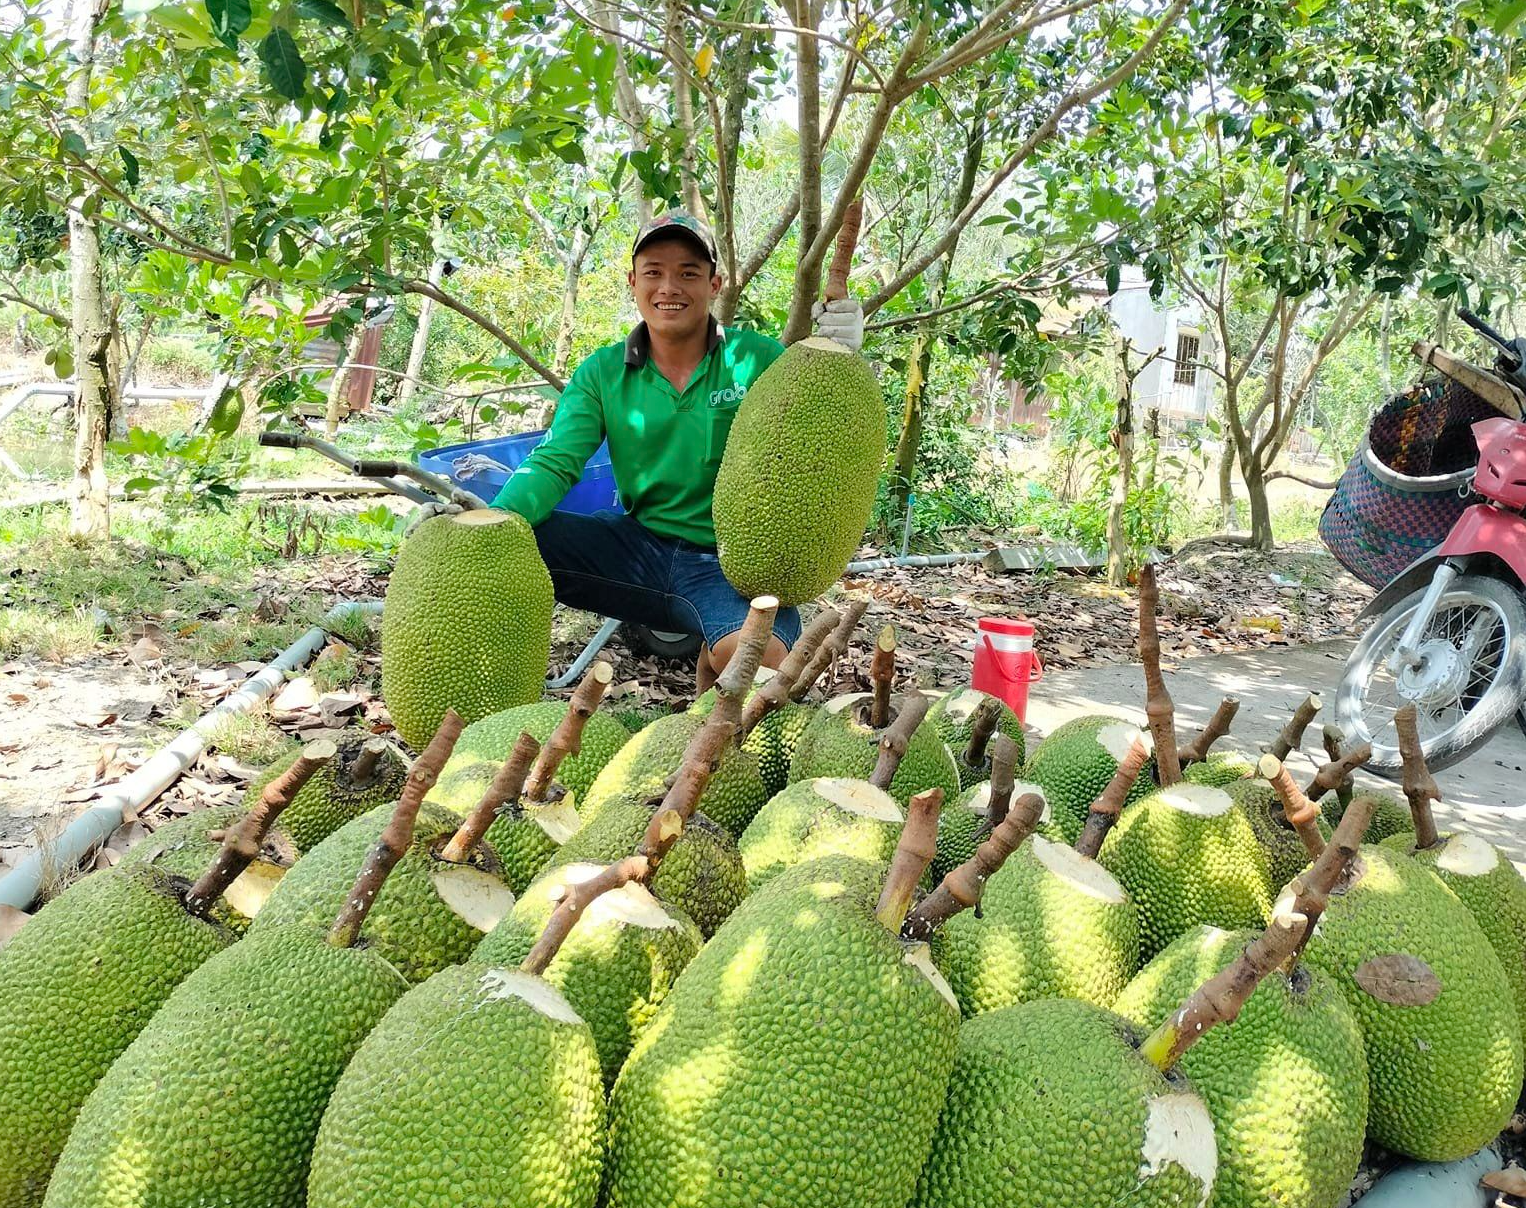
x: 670, y: 647
x: 1468, y: 683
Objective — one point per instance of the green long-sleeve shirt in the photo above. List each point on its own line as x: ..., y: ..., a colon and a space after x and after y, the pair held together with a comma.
x: 665, y: 446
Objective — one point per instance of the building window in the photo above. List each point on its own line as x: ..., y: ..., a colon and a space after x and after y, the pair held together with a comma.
x: 1186, y: 358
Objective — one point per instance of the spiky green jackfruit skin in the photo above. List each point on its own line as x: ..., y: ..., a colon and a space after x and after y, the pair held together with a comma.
x: 332, y: 795
x: 1076, y: 762
x: 1285, y: 1083
x: 1391, y: 818
x: 218, y: 1099
x: 1221, y: 769
x: 642, y: 766
x: 961, y: 826
x: 1286, y: 855
x: 772, y: 740
x: 839, y: 742
x: 466, y: 623
x: 1443, y: 1076
x: 798, y: 477
x: 413, y: 923
x: 702, y: 874
x: 800, y: 1061
x: 825, y: 816
x: 1050, y: 1103
x: 617, y: 965
x: 479, y: 1087
x: 77, y: 984
x: 182, y: 848
x: 1186, y: 856
x: 1490, y: 887
x: 1052, y: 924
x: 953, y: 716
x: 487, y: 742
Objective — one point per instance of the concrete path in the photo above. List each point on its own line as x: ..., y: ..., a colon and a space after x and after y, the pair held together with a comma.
x: 1486, y: 793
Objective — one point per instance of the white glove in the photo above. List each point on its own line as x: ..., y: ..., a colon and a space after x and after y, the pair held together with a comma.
x: 842, y: 320
x: 469, y: 465
x: 427, y: 510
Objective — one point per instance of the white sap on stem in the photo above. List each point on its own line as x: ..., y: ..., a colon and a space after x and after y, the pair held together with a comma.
x: 920, y: 957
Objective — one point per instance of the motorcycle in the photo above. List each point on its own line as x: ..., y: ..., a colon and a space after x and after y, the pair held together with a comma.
x: 1448, y: 634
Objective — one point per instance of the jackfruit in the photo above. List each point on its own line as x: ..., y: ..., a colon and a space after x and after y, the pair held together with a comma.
x: 1221, y: 769
x: 479, y: 1087
x: 77, y: 984
x: 1052, y: 924
x: 1285, y: 1083
x: 429, y: 914
x: 702, y: 873
x: 338, y: 791
x: 1492, y: 890
x: 839, y: 742
x: 1076, y: 762
x: 466, y: 623
x: 184, y: 848
x: 1049, y: 1103
x: 799, y: 474
x: 824, y: 816
x: 615, y: 967
x: 960, y: 823
x: 1391, y: 817
x: 772, y: 740
x: 486, y: 743
x: 800, y: 1061
x: 640, y: 769
x: 1286, y: 855
x: 953, y: 716
x: 218, y: 1099
x: 1187, y: 856
x: 1438, y: 1020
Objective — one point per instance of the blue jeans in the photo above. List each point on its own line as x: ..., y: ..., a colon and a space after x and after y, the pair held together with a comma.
x: 611, y: 564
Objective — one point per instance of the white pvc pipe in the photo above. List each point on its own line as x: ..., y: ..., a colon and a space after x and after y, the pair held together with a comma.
x: 1436, y: 1184
x: 20, y: 887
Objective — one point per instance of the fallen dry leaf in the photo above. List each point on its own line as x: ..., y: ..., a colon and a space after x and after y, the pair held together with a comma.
x: 11, y: 921
x: 299, y: 693
x: 104, y: 760
x: 145, y: 651
x: 1511, y: 1180
x: 94, y: 721
x: 17, y: 698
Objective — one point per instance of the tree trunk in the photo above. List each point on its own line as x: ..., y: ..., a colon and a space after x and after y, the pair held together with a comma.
x: 571, y: 278
x: 1260, y: 509
x: 90, y: 518
x: 1227, y: 483
x: 1123, y: 441
x: 337, y: 408
x: 919, y: 363
x: 1385, y: 359
x: 420, y: 345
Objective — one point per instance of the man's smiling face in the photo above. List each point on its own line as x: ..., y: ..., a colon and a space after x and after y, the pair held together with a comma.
x: 674, y: 284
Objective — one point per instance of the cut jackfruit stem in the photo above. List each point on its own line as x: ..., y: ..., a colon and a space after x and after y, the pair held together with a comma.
x: 1332, y: 774
x: 507, y: 785
x: 397, y: 835
x: 1333, y: 739
x: 1301, y: 813
x: 1158, y: 707
x: 1335, y: 866
x: 1292, y: 733
x: 1419, y: 785
x: 1105, y: 809
x: 1003, y: 784
x: 842, y: 255
x: 962, y: 887
x: 882, y: 675
x: 831, y: 650
x: 368, y: 763
x: 242, y: 842
x: 896, y: 739
x: 982, y: 727
x: 781, y: 685
x: 575, y: 902
x: 1220, y: 998
x: 1218, y: 725
x: 567, y: 738
x: 914, y: 851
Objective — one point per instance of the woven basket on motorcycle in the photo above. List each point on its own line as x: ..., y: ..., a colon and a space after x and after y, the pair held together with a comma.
x: 1406, y: 484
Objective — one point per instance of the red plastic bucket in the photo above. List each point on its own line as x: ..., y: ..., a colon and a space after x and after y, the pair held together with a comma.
x: 1006, y: 662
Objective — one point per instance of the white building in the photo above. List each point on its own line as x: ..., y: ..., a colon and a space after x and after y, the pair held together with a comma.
x: 1176, y: 382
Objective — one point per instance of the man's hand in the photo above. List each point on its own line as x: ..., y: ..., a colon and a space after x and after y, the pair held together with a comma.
x: 842, y: 320
x: 426, y: 510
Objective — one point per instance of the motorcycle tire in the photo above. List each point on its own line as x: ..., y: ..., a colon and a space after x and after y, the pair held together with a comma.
x: 670, y: 647
x: 1493, y: 706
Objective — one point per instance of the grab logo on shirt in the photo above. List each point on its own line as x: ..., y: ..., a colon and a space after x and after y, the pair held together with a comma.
x: 727, y: 397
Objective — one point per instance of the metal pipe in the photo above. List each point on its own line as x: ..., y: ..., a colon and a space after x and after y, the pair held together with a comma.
x: 20, y: 887
x: 978, y: 555
x: 580, y: 664
x: 306, y: 440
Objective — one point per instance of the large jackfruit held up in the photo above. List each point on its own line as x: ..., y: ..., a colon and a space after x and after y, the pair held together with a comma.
x: 798, y: 477
x: 466, y: 623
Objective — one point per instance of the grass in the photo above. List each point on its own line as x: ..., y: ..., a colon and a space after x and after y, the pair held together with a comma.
x: 335, y: 667
x: 250, y: 739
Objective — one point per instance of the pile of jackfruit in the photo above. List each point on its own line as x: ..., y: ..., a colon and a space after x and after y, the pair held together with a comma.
x: 868, y: 953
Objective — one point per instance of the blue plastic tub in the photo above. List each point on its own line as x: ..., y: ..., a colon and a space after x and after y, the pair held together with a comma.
x: 594, y: 492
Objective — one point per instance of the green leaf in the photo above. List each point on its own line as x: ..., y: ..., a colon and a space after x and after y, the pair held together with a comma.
x: 136, y: 8
x: 73, y: 144
x: 283, y: 65
x: 290, y: 252
x: 136, y: 486
x: 323, y: 12
x: 129, y: 166
x: 1507, y: 14
x: 229, y: 19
